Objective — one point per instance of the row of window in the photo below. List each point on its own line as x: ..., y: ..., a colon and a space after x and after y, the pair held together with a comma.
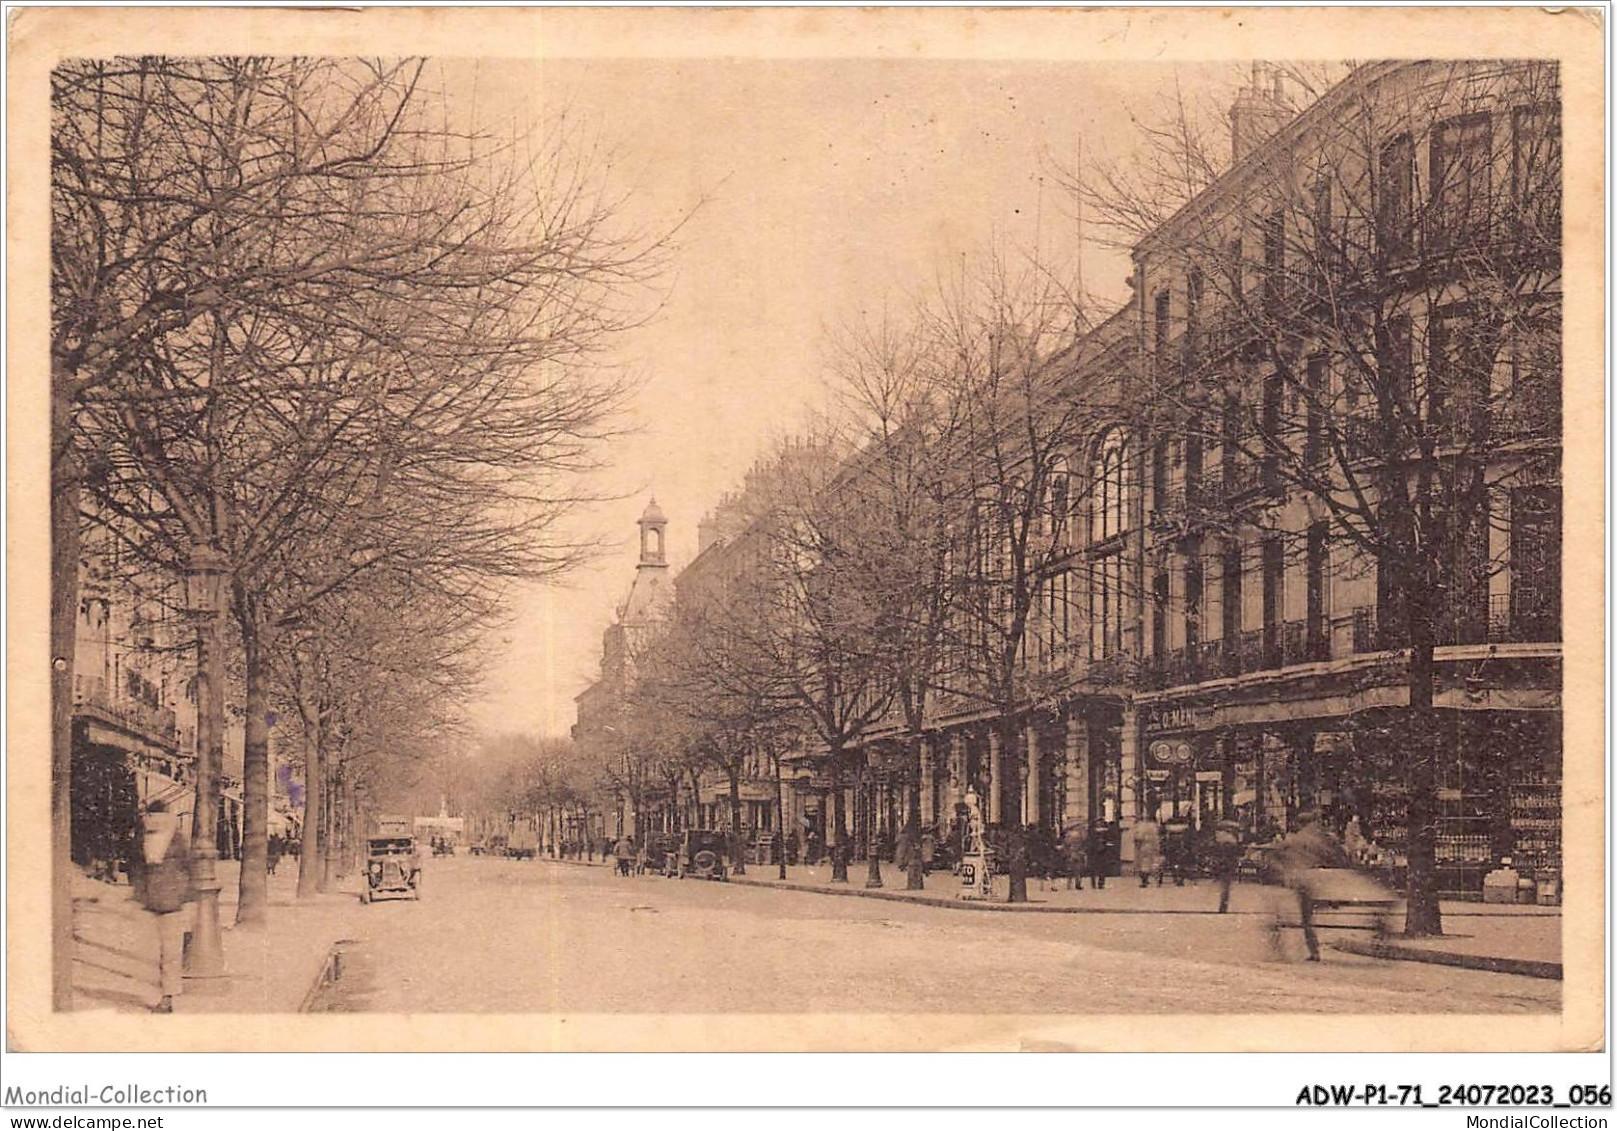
x: 1462, y: 210
x: 1094, y: 606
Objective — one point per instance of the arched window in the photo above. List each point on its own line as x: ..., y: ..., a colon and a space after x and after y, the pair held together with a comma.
x: 1057, y: 501
x: 1110, y: 514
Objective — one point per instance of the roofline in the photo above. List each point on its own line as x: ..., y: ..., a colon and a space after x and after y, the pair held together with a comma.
x: 1300, y: 124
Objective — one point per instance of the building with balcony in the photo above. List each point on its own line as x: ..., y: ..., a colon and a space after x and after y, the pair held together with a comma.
x: 1355, y: 326
x: 135, y: 712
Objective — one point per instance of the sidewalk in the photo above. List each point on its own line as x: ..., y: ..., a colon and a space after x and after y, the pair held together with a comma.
x: 268, y: 969
x: 1503, y: 937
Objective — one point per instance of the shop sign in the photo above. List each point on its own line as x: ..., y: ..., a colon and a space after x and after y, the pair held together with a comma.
x: 976, y: 878
x: 1209, y: 775
x: 1173, y: 716
x: 1157, y: 775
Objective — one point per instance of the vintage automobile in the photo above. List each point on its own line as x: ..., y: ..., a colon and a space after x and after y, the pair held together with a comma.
x: 522, y: 844
x: 392, y: 868
x: 660, y: 855
x: 701, y: 853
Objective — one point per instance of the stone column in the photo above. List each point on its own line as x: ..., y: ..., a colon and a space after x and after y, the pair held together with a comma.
x: 1128, y: 786
x: 1030, y: 808
x: 995, y: 777
x: 957, y: 769
x: 1077, y: 812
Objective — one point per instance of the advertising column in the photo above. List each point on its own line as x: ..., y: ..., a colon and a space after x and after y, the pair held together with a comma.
x: 1129, y: 800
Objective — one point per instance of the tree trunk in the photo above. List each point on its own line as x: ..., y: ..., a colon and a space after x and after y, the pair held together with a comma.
x: 1010, y: 806
x: 872, y: 831
x: 1422, y: 915
x: 838, y: 833
x: 253, y: 888
x: 207, y: 953
x: 64, y: 625
x: 780, y: 824
x: 915, y: 876
x: 314, y: 775
x: 328, y: 836
x: 738, y: 848
x: 345, y: 831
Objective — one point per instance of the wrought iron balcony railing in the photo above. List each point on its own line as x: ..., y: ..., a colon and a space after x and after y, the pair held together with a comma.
x: 91, y: 696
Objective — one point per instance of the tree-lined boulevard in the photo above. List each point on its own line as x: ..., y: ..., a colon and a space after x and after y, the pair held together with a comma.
x: 514, y: 937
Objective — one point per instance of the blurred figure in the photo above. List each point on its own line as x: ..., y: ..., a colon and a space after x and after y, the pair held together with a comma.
x: 1358, y: 848
x: 1177, y: 848
x: 165, y: 890
x: 1100, y: 852
x: 1148, y: 851
x: 1075, y: 855
x: 1302, y: 855
x: 623, y: 854
x: 1224, y: 854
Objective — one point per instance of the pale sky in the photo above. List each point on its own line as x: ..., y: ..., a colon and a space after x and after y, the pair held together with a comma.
x: 830, y: 186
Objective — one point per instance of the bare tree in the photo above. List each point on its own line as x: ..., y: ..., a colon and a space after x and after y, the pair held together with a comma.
x: 1365, y: 317
x: 1013, y: 362
x: 372, y: 307
x: 907, y: 431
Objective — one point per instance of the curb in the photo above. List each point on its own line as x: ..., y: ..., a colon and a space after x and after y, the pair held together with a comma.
x: 330, y: 971
x: 1526, y: 967
x: 971, y: 904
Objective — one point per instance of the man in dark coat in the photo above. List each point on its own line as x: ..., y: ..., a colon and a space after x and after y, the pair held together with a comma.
x: 1101, y: 845
x: 165, y: 889
x: 1224, y: 854
x: 1075, y: 855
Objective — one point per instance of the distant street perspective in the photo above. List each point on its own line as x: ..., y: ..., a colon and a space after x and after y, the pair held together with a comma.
x: 1088, y: 540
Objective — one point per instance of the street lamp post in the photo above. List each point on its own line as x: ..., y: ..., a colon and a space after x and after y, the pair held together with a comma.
x: 872, y: 833
x: 204, y: 591
x: 780, y: 819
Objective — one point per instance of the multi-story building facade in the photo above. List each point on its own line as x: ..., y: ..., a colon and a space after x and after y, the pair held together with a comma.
x: 135, y: 710
x: 1379, y: 342
x: 1319, y: 475
x: 1356, y: 325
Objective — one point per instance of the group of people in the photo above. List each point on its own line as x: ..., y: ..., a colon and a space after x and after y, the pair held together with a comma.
x: 278, y: 847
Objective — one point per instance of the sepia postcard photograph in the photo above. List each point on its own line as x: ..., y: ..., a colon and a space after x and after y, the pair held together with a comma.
x: 829, y: 530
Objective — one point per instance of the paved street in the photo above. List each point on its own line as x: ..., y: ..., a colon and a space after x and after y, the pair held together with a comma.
x: 535, y: 936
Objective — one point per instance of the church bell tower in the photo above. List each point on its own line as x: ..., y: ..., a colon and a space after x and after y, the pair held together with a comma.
x: 653, y: 524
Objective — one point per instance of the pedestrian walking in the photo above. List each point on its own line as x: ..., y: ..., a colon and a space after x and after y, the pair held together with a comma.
x: 165, y: 892
x: 1177, y: 848
x: 623, y: 853
x: 1102, y: 850
x: 1225, y: 857
x: 1148, y: 851
x: 272, y: 853
x: 1075, y: 855
x: 903, y: 849
x: 1302, y: 856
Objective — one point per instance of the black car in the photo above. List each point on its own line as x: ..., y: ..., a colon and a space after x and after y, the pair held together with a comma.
x: 702, y: 853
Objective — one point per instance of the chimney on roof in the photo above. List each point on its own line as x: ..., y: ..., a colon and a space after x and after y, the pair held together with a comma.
x: 1259, y: 110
